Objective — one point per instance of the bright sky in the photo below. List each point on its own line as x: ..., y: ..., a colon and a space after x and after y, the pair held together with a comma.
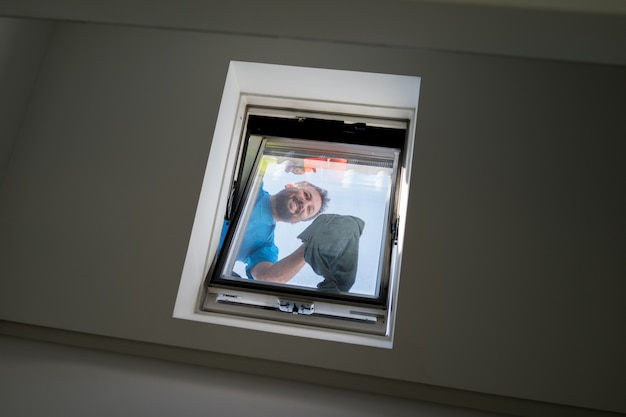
x: 353, y: 190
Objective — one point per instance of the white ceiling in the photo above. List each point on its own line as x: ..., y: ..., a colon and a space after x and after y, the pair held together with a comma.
x: 617, y: 7
x: 516, y: 245
x: 585, y: 31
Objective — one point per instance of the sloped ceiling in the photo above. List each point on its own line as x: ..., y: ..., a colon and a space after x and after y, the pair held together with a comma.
x: 616, y: 7
x: 514, y: 284
x: 587, y: 31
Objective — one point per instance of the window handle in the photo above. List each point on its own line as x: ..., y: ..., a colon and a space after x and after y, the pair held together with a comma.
x: 296, y: 307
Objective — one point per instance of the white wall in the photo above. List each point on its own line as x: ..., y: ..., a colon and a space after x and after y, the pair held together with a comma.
x: 22, y: 48
x: 513, y: 284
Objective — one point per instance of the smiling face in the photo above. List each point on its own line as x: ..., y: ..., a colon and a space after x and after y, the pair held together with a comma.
x: 296, y: 203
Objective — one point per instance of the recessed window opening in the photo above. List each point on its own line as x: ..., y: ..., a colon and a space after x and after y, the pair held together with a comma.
x: 311, y: 165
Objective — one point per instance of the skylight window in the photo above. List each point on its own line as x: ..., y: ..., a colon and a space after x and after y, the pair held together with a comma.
x: 305, y: 228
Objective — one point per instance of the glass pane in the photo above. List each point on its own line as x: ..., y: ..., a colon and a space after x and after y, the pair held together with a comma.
x: 345, y: 247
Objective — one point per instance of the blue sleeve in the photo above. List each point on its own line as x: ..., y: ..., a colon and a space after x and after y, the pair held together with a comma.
x: 266, y: 253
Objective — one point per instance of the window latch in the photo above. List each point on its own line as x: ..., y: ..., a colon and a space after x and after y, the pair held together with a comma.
x: 296, y: 307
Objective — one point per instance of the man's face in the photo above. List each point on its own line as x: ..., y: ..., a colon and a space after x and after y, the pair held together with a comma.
x: 297, y: 203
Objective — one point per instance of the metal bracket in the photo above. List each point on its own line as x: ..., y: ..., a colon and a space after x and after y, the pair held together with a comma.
x: 394, y: 230
x: 296, y: 307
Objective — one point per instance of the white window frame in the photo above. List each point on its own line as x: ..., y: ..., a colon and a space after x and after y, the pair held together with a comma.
x: 308, y: 89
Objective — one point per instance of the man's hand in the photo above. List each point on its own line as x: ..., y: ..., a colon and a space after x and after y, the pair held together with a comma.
x: 282, y: 271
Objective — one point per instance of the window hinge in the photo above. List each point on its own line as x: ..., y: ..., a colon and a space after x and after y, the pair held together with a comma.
x: 394, y: 230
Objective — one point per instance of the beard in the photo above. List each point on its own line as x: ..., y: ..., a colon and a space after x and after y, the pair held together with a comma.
x: 284, y: 199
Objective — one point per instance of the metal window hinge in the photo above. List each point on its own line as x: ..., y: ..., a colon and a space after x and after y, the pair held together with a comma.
x: 296, y: 307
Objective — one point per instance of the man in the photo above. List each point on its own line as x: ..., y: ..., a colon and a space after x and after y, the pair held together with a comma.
x: 297, y: 202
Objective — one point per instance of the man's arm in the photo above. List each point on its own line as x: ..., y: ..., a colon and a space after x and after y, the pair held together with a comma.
x: 281, y: 271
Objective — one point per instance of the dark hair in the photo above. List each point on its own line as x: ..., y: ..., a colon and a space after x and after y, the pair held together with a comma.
x: 323, y: 194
